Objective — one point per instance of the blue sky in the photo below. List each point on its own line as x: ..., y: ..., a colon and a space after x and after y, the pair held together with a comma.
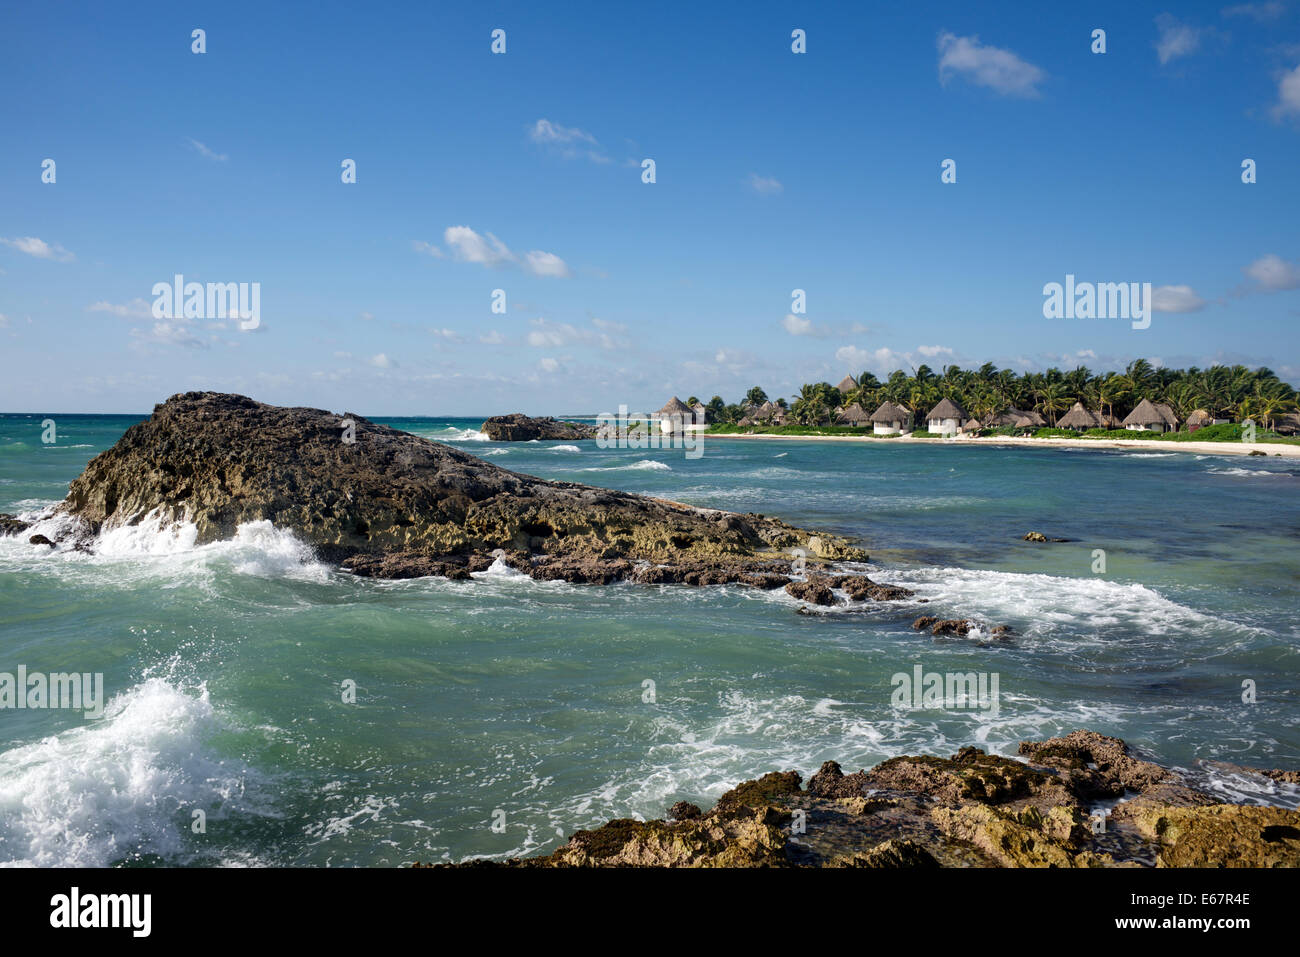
x: 522, y: 172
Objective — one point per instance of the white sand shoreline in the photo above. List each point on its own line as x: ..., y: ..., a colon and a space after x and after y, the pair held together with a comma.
x: 1270, y: 449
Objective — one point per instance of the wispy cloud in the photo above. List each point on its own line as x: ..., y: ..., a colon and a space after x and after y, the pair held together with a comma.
x: 468, y: 246
x: 1259, y: 12
x: 135, y: 309
x: 203, y: 150
x: 1175, y: 39
x: 1177, y: 299
x: 567, y: 141
x: 39, y: 248
x: 1273, y: 273
x: 765, y: 185
x: 1288, y: 95
x: 989, y: 66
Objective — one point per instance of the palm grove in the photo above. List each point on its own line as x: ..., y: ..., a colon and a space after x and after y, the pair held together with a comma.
x: 1227, y: 392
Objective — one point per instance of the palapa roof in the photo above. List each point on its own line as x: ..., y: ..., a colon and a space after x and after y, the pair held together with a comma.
x: 675, y: 406
x: 1145, y: 414
x: 1171, y: 419
x: 1025, y: 422
x: 947, y: 409
x: 767, y: 408
x: 847, y: 384
x: 972, y: 424
x: 889, y: 413
x: 853, y: 415
x: 1199, y: 418
x: 1079, y: 418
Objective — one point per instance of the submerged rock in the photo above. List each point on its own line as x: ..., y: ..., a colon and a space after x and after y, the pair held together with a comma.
x: 518, y: 427
x: 390, y: 504
x: 12, y: 525
x: 971, y: 809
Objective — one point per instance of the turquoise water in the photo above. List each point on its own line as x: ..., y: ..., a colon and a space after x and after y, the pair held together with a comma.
x: 224, y: 663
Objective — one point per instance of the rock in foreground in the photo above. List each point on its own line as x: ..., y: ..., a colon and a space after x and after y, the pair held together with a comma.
x: 972, y: 809
x: 518, y: 427
x: 391, y: 504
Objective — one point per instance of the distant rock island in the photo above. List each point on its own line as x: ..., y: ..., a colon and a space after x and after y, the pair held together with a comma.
x: 389, y: 504
x: 518, y: 427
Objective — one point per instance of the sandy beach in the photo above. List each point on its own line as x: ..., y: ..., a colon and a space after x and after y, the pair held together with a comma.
x: 1201, y: 448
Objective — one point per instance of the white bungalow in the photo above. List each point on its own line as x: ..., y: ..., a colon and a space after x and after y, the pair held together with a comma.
x: 891, y: 419
x: 946, y: 418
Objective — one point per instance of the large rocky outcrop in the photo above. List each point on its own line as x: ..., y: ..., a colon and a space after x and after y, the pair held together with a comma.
x: 390, y: 504
x: 972, y: 809
x: 518, y: 427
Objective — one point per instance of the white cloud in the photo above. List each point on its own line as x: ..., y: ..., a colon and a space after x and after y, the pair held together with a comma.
x: 135, y: 309
x: 493, y: 338
x: 609, y: 325
x: 998, y: 69
x: 169, y: 332
x: 367, y: 317
x: 544, y: 131
x: 210, y: 154
x: 567, y: 141
x: 549, y: 365
x: 546, y: 264
x: 468, y: 246
x: 764, y: 185
x: 796, y: 325
x: 420, y: 246
x: 931, y: 351
x: 381, y: 361
x: 1175, y: 39
x: 449, y: 334
x: 1288, y: 95
x: 1274, y: 273
x: 39, y: 248
x: 1260, y: 12
x: 1176, y: 299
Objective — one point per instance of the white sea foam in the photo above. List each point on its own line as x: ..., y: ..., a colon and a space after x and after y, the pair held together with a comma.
x: 453, y: 434
x: 1249, y: 473
x: 644, y: 465
x: 1044, y: 604
x: 120, y: 786
x: 565, y: 448
x: 157, y: 547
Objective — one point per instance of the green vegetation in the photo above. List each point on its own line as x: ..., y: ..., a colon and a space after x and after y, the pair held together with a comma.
x: 1226, y: 392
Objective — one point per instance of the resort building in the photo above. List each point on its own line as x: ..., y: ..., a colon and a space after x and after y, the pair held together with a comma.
x: 674, y: 416
x: 946, y: 418
x: 847, y: 385
x: 854, y: 415
x: 1149, y: 417
x: 1080, y: 419
x: 891, y: 419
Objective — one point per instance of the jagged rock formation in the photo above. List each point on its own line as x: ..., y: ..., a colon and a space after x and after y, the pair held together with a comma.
x: 390, y: 504
x: 972, y: 809
x: 518, y: 427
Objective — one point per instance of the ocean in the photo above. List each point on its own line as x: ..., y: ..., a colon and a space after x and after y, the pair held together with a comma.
x: 494, y: 717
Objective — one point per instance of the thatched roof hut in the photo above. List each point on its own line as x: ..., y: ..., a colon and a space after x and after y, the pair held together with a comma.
x: 1146, y: 416
x: 1171, y: 419
x: 675, y: 406
x: 1079, y: 418
x: 701, y: 412
x: 853, y: 415
x: 947, y: 409
x: 847, y: 384
x: 889, y: 413
x: 1288, y: 423
x: 972, y: 425
x: 1199, y: 420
